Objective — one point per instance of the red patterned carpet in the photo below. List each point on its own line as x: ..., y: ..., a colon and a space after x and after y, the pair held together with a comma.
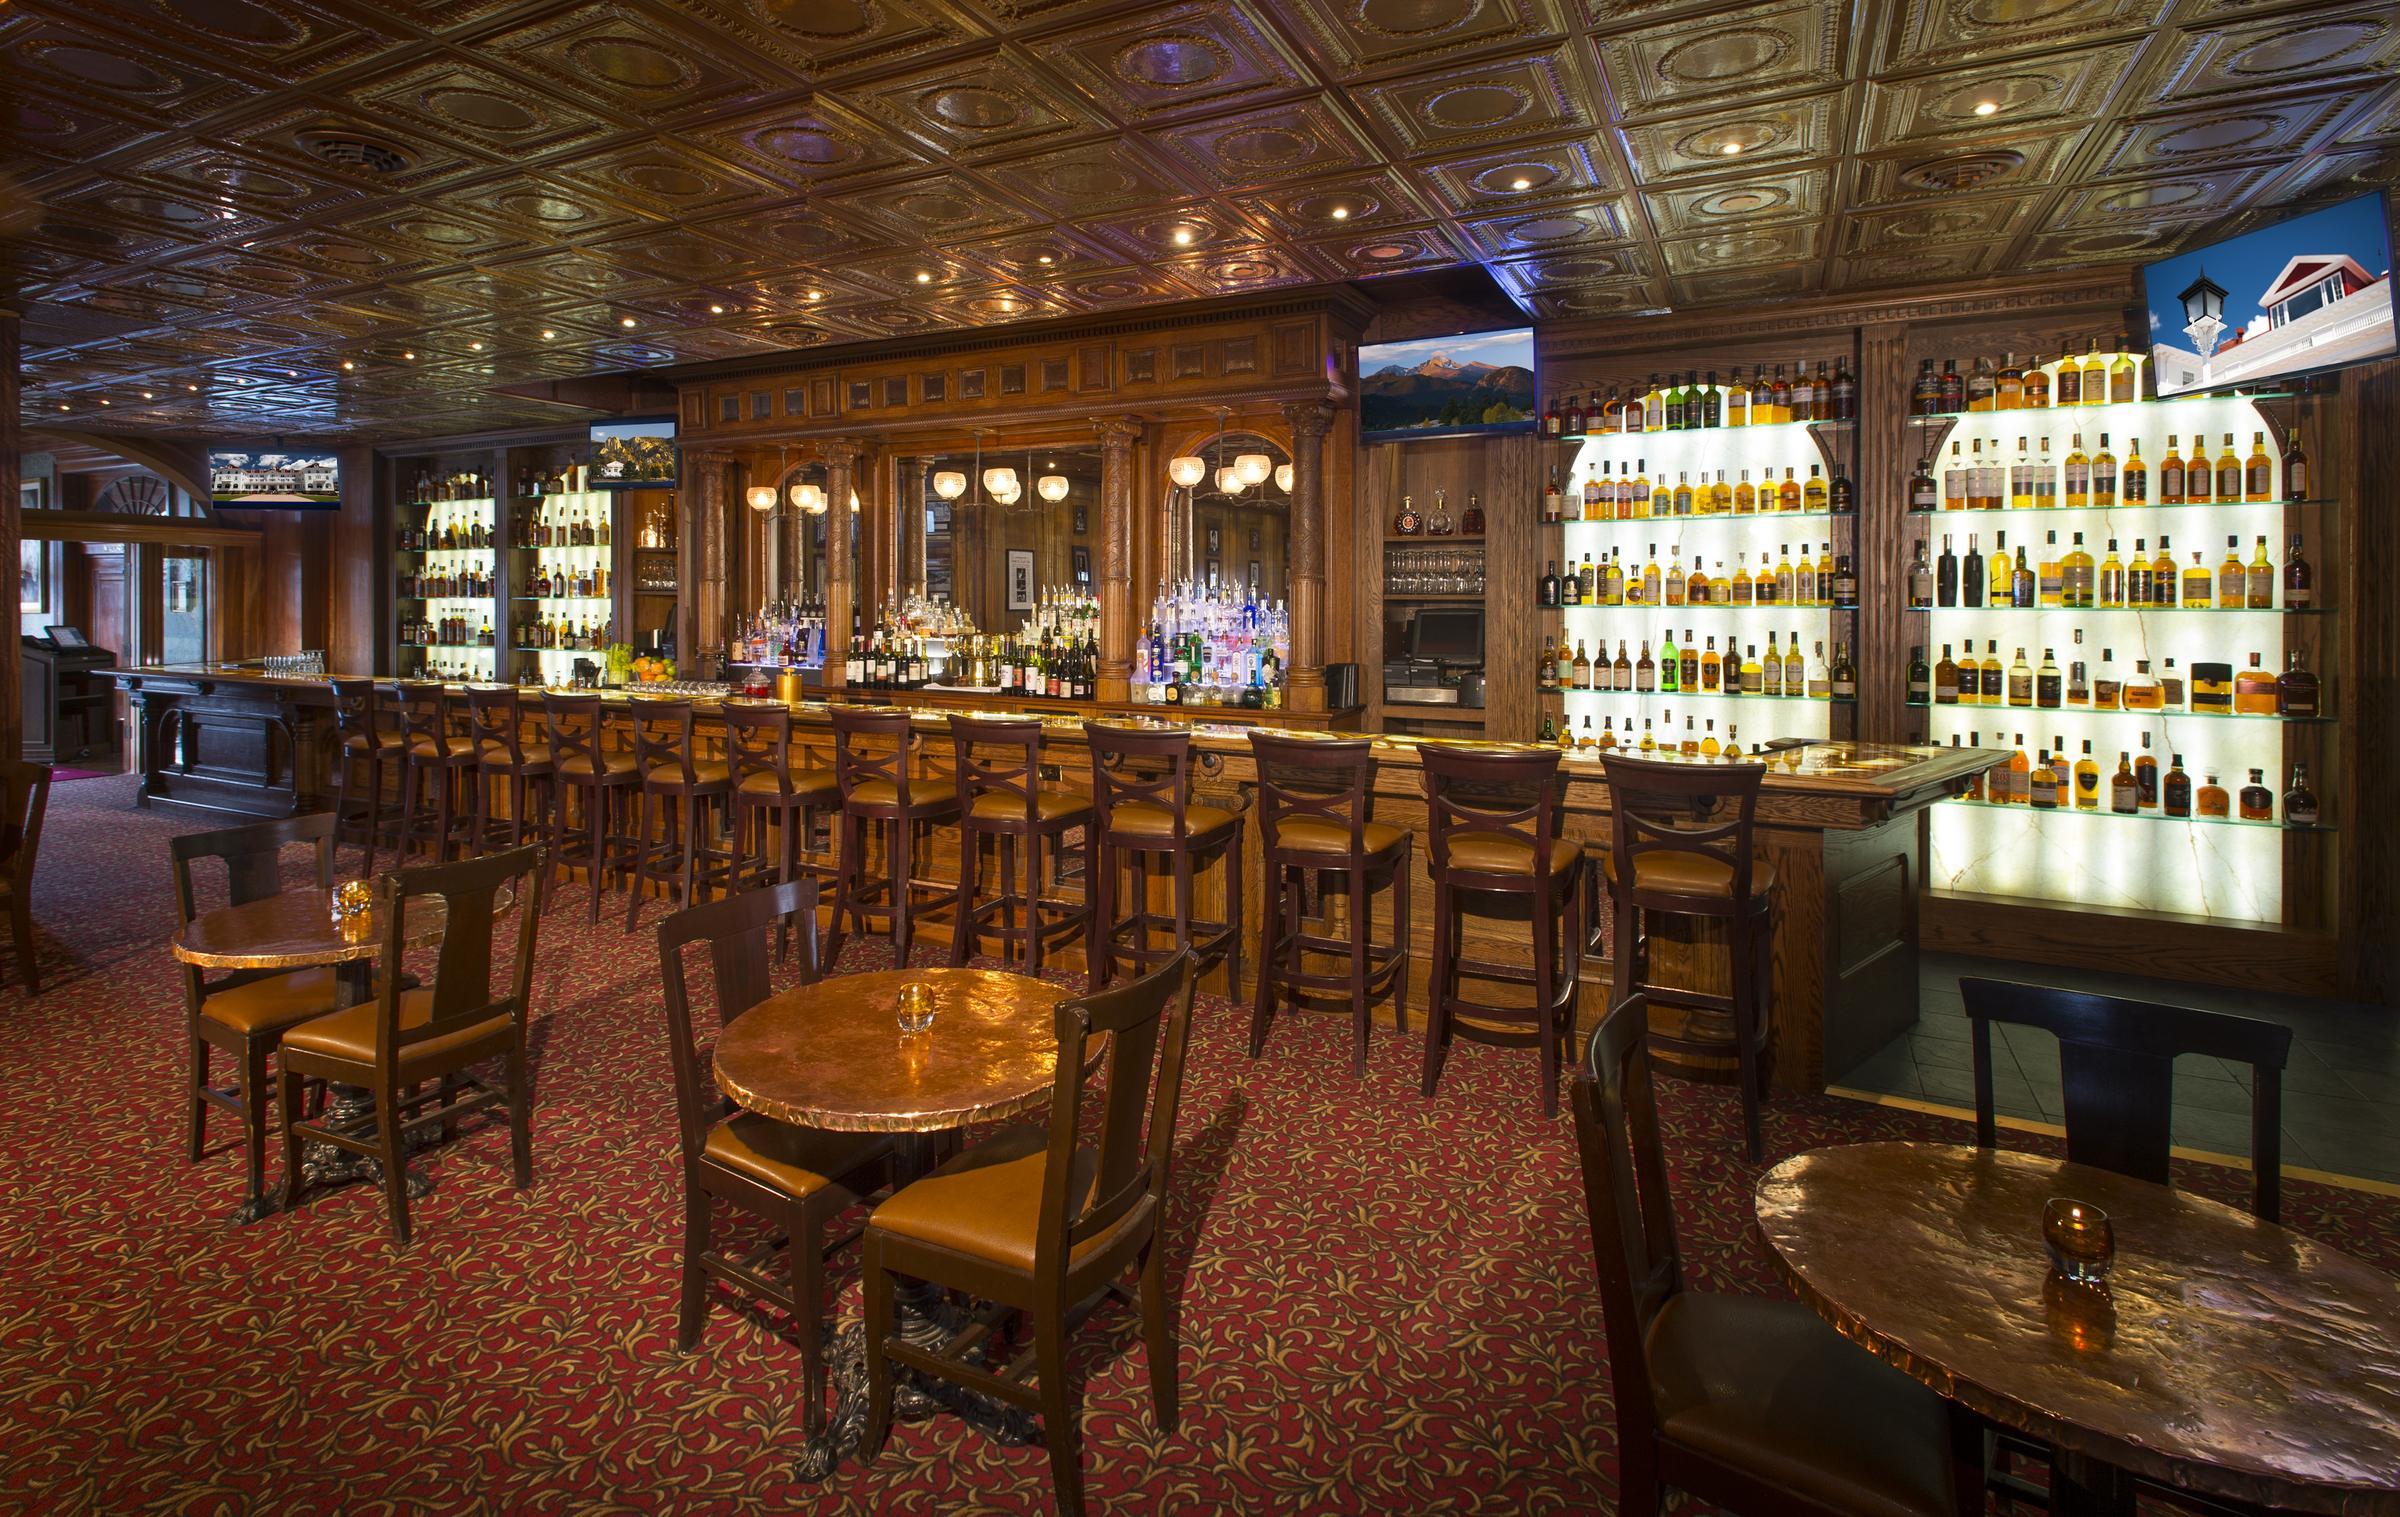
x: 1386, y: 1302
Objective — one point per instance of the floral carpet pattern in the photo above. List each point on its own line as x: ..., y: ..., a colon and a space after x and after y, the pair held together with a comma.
x: 1386, y: 1303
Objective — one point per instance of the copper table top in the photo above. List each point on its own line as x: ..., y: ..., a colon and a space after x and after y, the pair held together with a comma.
x: 297, y: 929
x: 2230, y: 1356
x: 832, y: 1055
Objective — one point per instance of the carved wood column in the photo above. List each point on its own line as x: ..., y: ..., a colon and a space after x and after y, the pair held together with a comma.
x: 1884, y: 532
x: 706, y: 529
x: 1306, y: 680
x: 1117, y: 437
x: 12, y: 534
x: 908, y: 504
x: 841, y: 473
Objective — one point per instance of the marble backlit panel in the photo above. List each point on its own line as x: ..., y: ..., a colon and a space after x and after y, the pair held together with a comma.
x: 2199, y: 869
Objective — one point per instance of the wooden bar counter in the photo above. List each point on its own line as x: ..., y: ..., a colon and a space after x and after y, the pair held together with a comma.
x: 1843, y: 824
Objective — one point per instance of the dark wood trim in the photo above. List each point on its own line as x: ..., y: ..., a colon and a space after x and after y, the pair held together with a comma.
x: 2165, y: 945
x: 12, y: 657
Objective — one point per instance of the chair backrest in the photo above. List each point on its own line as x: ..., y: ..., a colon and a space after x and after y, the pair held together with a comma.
x: 424, y: 714
x: 1314, y: 779
x: 1146, y: 1024
x: 495, y: 715
x: 461, y: 985
x: 24, y: 801
x: 998, y: 756
x: 253, y: 858
x: 1139, y: 766
x: 356, y: 713
x: 1663, y: 807
x: 735, y: 930
x: 2116, y: 1065
x: 573, y: 723
x: 1625, y: 1198
x: 758, y: 740
x: 662, y: 737
x: 1512, y: 793
x: 888, y: 732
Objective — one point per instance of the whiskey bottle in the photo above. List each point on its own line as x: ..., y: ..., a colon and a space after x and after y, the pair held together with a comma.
x: 2104, y: 475
x: 2142, y: 692
x: 2170, y: 687
x: 2258, y: 474
x: 2199, y: 586
x: 2229, y: 472
x: 2257, y: 691
x: 2196, y: 475
x: 1843, y: 496
x: 2176, y: 791
x: 2024, y: 584
x: 2008, y: 385
x: 1982, y: 386
x: 2067, y: 387
x: 2124, y: 795
x: 2170, y: 476
x: 1845, y: 583
x: 2145, y: 776
x: 1970, y: 575
x: 1923, y: 494
x: 2299, y: 580
x: 2233, y: 580
x: 1470, y: 521
x: 2087, y: 780
x: 1549, y: 586
x: 2162, y: 574
x: 2133, y: 476
x: 1953, y: 387
x: 2257, y: 801
x: 1925, y: 393
x: 1945, y: 574
x: 2111, y: 588
x: 2260, y: 592
x: 1795, y: 670
x: 1845, y: 673
x: 1920, y: 577
x: 2123, y: 376
x: 1670, y: 664
x: 2138, y: 587
x: 1945, y: 679
x: 2049, y: 688
x: 2079, y: 688
x: 2108, y: 691
x: 2075, y: 576
x: 2299, y: 802
x: 2044, y: 783
x: 1844, y: 391
x: 1737, y: 399
x: 2020, y: 681
x: 2079, y: 475
x: 2296, y: 481
x: 2210, y: 799
x: 2296, y: 689
x: 1408, y: 523
x: 1920, y: 675
x: 1955, y: 480
x: 1687, y: 674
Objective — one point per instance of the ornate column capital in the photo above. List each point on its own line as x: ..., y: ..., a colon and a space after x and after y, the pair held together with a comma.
x: 1118, y: 431
x: 710, y: 458
x: 843, y: 450
x: 1308, y: 418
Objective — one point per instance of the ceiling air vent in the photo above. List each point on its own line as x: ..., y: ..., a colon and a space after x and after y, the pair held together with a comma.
x: 353, y: 150
x: 1963, y: 172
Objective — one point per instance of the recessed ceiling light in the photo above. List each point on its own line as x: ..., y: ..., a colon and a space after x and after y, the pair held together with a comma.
x: 62, y: 405
x: 624, y: 321
x: 475, y: 347
x: 716, y: 310
x: 923, y: 277
x: 1341, y: 213
x: 146, y: 395
x: 347, y: 366
x: 195, y: 389
x: 104, y: 400
x: 548, y: 333
x: 1045, y: 258
x: 1520, y: 183
x: 1183, y: 236
x: 291, y: 373
x: 1986, y: 107
x: 407, y: 354
x: 1730, y: 148
x: 816, y: 294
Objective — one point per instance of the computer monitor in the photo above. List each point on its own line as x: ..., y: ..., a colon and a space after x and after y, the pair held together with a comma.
x: 1450, y: 635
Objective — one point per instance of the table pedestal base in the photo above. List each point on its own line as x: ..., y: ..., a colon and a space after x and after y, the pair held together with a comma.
x: 927, y: 1319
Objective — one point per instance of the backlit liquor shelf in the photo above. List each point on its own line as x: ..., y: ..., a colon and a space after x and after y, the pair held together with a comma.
x: 2277, y: 827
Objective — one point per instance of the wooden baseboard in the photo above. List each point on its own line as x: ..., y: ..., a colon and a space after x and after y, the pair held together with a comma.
x: 2252, y: 955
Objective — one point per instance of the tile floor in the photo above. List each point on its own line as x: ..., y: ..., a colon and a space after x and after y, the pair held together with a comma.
x: 2341, y: 1093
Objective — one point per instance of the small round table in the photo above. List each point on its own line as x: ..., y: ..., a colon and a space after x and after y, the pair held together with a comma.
x: 2226, y: 1356
x: 832, y: 1055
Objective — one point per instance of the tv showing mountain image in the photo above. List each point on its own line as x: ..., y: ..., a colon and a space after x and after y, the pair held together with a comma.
x: 1435, y: 386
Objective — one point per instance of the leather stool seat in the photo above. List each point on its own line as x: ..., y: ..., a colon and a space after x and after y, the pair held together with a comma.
x: 817, y: 785
x: 580, y: 765
x: 923, y: 795
x: 350, y: 1033
x: 537, y: 758
x: 986, y: 1203
x: 278, y: 1000
x: 1300, y: 835
x: 706, y: 774
x: 372, y: 742
x: 1692, y: 874
x: 1143, y: 819
x: 1500, y: 853
x: 1049, y: 806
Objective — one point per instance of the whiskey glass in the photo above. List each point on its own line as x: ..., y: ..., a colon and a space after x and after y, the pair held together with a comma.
x: 2082, y: 1242
x: 915, y: 1010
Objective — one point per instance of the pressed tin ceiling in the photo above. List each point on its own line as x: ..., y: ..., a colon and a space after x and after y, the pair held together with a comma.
x: 366, y: 216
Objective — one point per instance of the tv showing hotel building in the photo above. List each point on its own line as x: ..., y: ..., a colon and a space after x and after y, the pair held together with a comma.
x: 271, y: 479
x: 2311, y: 293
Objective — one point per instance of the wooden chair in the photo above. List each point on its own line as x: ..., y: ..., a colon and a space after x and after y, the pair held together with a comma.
x: 1494, y: 819
x: 1048, y: 1224
x: 771, y: 798
x: 1747, y: 1403
x: 870, y: 765
x: 581, y: 761
x: 1674, y: 851
x: 1001, y: 796
x: 246, y: 1012
x: 1316, y: 816
x: 680, y: 785
x: 24, y: 799
x: 393, y: 1044
x: 796, y: 1179
x: 434, y: 765
x: 362, y: 738
x: 1145, y: 817
x: 2116, y: 1067
x: 496, y: 724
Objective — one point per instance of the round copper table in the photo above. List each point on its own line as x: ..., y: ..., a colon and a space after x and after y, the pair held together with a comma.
x: 2226, y: 1356
x: 832, y: 1055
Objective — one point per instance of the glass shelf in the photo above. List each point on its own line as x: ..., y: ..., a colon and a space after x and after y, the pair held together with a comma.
x: 449, y: 647
x: 1448, y: 598
x: 2321, y: 719
x: 2225, y: 611
x: 427, y: 505
x: 1720, y: 519
x: 1711, y: 609
x: 2141, y: 508
x: 484, y: 549
x: 2145, y: 402
x: 2136, y: 816
x: 1771, y: 428
x: 579, y: 599
x: 1713, y: 696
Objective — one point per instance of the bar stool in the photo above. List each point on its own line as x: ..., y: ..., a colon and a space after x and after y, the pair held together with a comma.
x: 1493, y: 820
x: 360, y: 737
x: 434, y: 765
x: 582, y: 762
x: 1142, y: 796
x: 495, y: 720
x: 1315, y: 805
x: 1001, y: 797
x: 877, y: 790
x: 769, y: 792
x: 1669, y: 854
x: 682, y: 785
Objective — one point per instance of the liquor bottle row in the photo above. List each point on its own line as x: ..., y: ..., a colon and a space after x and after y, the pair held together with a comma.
x: 571, y: 582
x: 1407, y: 522
x: 1212, y: 646
x: 2073, y: 580
x: 456, y: 583
x: 2216, y: 688
x: 1636, y: 497
x: 1693, y: 742
x: 1695, y: 403
x: 2050, y: 781
x: 447, y: 536
x: 454, y: 630
x: 2097, y: 379
x: 898, y: 659
x: 1694, y: 670
x: 1975, y: 480
x: 786, y: 634
x: 582, y: 634
x: 457, y: 669
x: 567, y: 528
x: 466, y: 485
x: 1827, y: 580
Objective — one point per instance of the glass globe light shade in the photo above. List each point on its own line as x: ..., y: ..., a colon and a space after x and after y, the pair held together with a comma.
x: 761, y: 497
x: 1053, y: 487
x: 949, y: 484
x: 1009, y: 496
x: 1283, y: 478
x: 854, y: 500
x: 811, y: 497
x: 1230, y: 481
x: 1253, y: 467
x: 1187, y: 471
x: 1000, y: 481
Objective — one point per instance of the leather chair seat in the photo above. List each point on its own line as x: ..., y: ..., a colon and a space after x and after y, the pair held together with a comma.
x: 580, y: 765
x: 426, y: 751
x: 349, y: 1034
x: 1506, y: 853
x: 923, y: 795
x: 1147, y: 819
x: 799, y: 1161
x: 707, y: 774
x: 1692, y: 874
x: 1301, y: 834
x: 1050, y: 806
x: 278, y: 1000
x: 986, y: 1203
x: 380, y: 742
x: 816, y: 786
x: 1766, y: 1386
x: 495, y: 756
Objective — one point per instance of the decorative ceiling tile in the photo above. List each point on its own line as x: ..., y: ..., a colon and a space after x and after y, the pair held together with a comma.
x: 1726, y: 286
x: 674, y: 252
x: 1797, y: 193
x: 1515, y: 177
x: 1478, y: 104
x: 1094, y: 179
x: 975, y: 110
x: 1939, y: 170
x: 1259, y: 266
x: 807, y: 233
x: 1360, y: 37
x: 1366, y: 254
x: 1756, y: 51
x: 1551, y: 228
x: 1959, y: 218
x: 1040, y: 256
x: 1269, y: 145
x: 455, y: 99
x: 1781, y: 243
x: 1336, y: 208
x: 232, y: 178
x: 823, y: 38
x: 1694, y: 146
x: 293, y: 41
x: 350, y: 148
x: 62, y: 131
x: 2055, y: 89
x: 1612, y: 266
x: 543, y: 210
x: 661, y: 179
x: 954, y: 204
x: 1629, y: 298
x: 61, y: 64
x: 2121, y: 244
x: 1944, y: 34
x: 1120, y: 287
x: 2316, y: 46
x: 819, y: 143
x: 630, y: 63
x: 2233, y: 131
x: 2190, y: 197
x: 1170, y: 60
x: 1172, y: 231
x: 2378, y: 122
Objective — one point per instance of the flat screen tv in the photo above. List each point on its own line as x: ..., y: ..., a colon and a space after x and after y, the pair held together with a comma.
x: 274, y: 479
x: 1445, y: 386
x: 633, y: 455
x: 2303, y: 295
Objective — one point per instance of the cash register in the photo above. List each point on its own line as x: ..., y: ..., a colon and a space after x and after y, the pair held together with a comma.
x: 1442, y: 663
x: 61, y: 687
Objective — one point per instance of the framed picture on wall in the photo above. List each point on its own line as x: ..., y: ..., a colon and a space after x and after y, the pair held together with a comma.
x: 1254, y: 539
x: 1082, y: 522
x: 1215, y: 571
x: 1215, y: 540
x: 1083, y: 567
x: 33, y: 577
x: 1020, y: 579
x: 1257, y: 578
